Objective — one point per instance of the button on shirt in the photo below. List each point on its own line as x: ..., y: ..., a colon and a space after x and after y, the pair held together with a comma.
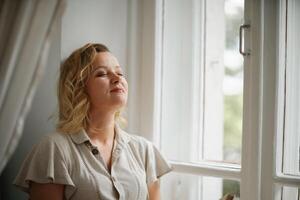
x: 72, y: 160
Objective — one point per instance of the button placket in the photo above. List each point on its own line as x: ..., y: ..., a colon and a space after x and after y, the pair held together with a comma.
x: 118, y: 187
x: 113, y: 179
x: 117, y: 184
x: 96, y: 153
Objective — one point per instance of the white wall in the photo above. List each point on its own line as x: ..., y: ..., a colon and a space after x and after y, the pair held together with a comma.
x: 102, y: 21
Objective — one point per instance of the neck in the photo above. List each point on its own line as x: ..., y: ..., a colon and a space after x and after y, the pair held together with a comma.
x: 101, y: 126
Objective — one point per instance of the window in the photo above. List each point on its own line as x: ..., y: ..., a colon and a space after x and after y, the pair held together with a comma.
x: 288, y: 135
x: 188, y: 186
x: 202, y: 89
x: 198, y: 74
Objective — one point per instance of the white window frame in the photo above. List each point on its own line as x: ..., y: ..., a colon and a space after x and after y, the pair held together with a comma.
x: 281, y: 179
x: 259, y: 176
x: 289, y: 157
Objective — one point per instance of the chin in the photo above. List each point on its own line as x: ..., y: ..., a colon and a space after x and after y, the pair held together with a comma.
x: 120, y: 103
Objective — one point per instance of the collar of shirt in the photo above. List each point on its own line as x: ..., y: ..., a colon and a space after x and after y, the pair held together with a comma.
x: 121, y: 138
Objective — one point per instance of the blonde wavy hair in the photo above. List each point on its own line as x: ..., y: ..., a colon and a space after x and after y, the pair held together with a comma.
x: 73, y: 101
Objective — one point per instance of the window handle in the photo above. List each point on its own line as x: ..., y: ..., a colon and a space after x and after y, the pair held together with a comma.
x: 242, y: 40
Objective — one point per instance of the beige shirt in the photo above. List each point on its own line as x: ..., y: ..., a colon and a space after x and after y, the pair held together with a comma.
x: 73, y: 161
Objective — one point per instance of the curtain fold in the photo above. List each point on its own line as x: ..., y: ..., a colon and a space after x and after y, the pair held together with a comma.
x: 25, y: 37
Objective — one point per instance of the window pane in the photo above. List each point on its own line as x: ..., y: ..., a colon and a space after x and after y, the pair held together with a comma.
x: 202, y: 80
x: 286, y: 193
x: 292, y: 93
x: 233, y: 82
x: 223, y: 82
x: 190, y: 187
x: 180, y: 117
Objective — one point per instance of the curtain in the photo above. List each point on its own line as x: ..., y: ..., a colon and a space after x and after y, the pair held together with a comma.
x: 25, y: 31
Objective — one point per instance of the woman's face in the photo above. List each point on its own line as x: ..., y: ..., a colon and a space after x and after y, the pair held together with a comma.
x: 107, y: 87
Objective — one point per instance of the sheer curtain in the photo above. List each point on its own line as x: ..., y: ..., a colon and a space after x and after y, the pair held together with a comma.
x: 25, y: 30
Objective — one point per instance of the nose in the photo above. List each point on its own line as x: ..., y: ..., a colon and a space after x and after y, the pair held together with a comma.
x: 115, y: 78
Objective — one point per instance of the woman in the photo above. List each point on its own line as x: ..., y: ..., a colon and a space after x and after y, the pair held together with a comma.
x: 90, y: 157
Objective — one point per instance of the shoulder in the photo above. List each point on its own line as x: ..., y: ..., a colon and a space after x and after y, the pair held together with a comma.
x: 53, y: 144
x: 151, y: 158
x: 55, y: 139
x: 47, y: 162
x: 136, y: 140
x: 138, y: 145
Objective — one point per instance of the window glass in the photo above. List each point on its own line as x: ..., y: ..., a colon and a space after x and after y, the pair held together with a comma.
x: 292, y: 91
x: 286, y: 193
x: 181, y: 82
x: 233, y: 82
x: 190, y: 187
x: 202, y: 80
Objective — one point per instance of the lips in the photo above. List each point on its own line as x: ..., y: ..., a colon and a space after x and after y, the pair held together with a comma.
x: 117, y: 90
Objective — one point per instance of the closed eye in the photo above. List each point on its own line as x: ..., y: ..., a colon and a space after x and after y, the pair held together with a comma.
x: 101, y: 74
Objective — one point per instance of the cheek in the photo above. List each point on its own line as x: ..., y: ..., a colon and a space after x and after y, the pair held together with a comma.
x: 96, y: 89
x: 125, y: 85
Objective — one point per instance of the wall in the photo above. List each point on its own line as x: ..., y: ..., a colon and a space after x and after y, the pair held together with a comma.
x: 103, y: 21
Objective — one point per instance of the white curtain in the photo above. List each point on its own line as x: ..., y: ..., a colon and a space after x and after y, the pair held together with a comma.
x: 25, y: 30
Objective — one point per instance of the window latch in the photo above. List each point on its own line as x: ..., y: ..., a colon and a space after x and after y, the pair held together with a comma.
x: 242, y: 40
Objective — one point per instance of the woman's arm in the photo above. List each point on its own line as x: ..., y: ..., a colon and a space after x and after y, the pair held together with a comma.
x: 46, y: 191
x: 154, y: 190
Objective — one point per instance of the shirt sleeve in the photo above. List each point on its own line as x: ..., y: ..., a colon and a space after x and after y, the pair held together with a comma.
x: 156, y: 164
x: 44, y: 164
